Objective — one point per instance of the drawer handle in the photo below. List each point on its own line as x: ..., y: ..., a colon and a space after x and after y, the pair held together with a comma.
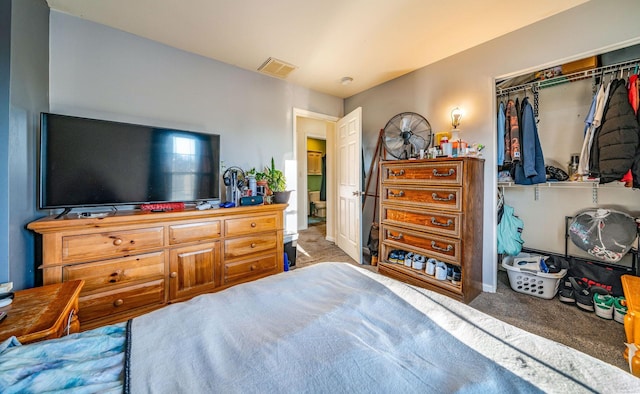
x: 435, y: 196
x: 449, y: 248
x: 447, y: 224
x: 399, y: 173
x: 253, y: 224
x: 398, y: 194
x: 253, y: 245
x: 451, y: 172
x: 396, y: 237
x: 117, y: 241
x: 118, y: 302
x: 253, y: 267
x: 173, y: 274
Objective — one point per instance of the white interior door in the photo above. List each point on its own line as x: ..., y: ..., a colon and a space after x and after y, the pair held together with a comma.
x: 349, y: 170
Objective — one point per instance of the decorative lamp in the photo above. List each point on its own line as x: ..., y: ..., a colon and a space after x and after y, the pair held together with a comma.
x: 456, y: 115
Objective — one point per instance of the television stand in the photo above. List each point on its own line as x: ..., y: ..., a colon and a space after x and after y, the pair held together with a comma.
x: 64, y: 212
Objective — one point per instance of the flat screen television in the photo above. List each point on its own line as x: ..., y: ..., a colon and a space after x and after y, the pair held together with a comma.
x: 89, y: 162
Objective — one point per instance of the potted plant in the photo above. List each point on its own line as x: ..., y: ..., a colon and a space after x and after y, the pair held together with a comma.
x: 277, y: 184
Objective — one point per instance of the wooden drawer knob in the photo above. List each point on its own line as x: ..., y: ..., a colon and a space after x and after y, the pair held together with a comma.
x: 253, y: 245
x: 253, y: 267
x: 173, y: 274
x: 118, y: 302
x: 117, y: 241
x: 253, y: 224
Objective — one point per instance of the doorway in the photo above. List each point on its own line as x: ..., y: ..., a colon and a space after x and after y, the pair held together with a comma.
x: 314, y: 135
x: 316, y: 181
x: 343, y: 168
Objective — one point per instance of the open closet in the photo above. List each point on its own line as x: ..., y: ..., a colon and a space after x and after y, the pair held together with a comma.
x: 561, y: 101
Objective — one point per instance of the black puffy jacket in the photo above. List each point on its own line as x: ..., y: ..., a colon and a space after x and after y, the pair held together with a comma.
x: 618, y: 137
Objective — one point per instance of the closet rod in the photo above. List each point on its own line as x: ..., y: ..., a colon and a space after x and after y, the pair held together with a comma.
x: 546, y: 83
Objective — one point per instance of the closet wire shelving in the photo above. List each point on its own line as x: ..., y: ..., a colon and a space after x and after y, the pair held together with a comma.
x: 597, y: 74
x: 577, y: 76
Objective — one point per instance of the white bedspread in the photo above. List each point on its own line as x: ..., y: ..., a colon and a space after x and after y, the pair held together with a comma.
x: 334, y: 327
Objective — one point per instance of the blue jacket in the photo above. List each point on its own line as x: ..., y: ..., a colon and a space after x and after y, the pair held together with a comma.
x: 530, y: 170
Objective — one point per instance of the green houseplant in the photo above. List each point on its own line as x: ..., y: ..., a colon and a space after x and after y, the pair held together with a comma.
x: 277, y: 183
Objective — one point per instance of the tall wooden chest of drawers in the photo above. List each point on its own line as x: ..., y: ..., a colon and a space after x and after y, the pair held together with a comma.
x: 132, y: 262
x: 433, y: 208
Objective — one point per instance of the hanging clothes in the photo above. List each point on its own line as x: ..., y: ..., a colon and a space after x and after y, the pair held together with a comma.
x: 501, y: 127
x: 589, y: 129
x: 511, y: 134
x: 619, y: 135
x: 594, y: 166
x: 530, y: 170
x: 632, y: 93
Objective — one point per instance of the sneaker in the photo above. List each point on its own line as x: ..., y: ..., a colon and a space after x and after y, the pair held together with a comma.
x: 619, y: 309
x: 584, y: 293
x: 603, y: 305
x: 408, y: 259
x: 401, y: 254
x: 565, y: 292
x: 393, y: 256
x: 419, y: 261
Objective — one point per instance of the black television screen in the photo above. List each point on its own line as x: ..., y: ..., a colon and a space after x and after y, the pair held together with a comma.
x: 89, y: 162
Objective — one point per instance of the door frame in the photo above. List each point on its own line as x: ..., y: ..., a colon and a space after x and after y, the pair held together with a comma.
x: 300, y: 156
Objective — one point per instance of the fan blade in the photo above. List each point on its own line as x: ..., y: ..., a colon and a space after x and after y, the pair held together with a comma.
x: 418, y: 142
x: 406, y: 123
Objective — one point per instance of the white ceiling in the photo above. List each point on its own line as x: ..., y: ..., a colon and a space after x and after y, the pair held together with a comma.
x: 372, y: 41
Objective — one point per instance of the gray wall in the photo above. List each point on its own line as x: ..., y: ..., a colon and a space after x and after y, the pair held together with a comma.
x: 467, y: 80
x: 100, y: 72
x: 24, y: 59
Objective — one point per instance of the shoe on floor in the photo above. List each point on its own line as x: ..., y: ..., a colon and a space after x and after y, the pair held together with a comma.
x: 584, y: 293
x: 619, y: 309
x: 603, y: 305
x: 565, y: 292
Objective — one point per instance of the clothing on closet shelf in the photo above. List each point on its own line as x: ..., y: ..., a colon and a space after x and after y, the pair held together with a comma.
x: 530, y: 169
x: 617, y: 140
x: 501, y: 128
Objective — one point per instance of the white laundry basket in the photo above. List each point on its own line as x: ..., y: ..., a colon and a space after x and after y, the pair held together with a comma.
x: 537, y: 284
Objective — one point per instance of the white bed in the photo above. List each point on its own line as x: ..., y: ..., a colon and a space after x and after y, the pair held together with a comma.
x: 326, y: 328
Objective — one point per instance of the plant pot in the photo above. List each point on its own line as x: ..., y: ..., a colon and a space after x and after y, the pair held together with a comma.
x: 281, y: 197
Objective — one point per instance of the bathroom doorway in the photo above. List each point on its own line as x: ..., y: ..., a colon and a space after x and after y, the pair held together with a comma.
x: 316, y: 181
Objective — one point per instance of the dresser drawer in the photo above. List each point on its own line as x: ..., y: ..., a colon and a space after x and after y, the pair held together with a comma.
x: 422, y: 220
x: 121, y: 300
x: 244, y: 246
x: 243, y: 271
x: 437, y: 197
x: 191, y: 232
x: 108, y: 244
x: 250, y: 225
x: 447, y: 249
x: 117, y: 272
x: 445, y: 173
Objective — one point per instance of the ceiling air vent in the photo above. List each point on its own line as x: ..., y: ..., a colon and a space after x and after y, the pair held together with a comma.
x: 276, y: 68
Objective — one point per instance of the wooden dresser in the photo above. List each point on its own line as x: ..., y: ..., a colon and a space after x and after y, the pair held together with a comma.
x: 434, y: 208
x: 43, y: 312
x: 133, y: 262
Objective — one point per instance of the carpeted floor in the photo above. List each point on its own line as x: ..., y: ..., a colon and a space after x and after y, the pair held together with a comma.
x: 600, y: 338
